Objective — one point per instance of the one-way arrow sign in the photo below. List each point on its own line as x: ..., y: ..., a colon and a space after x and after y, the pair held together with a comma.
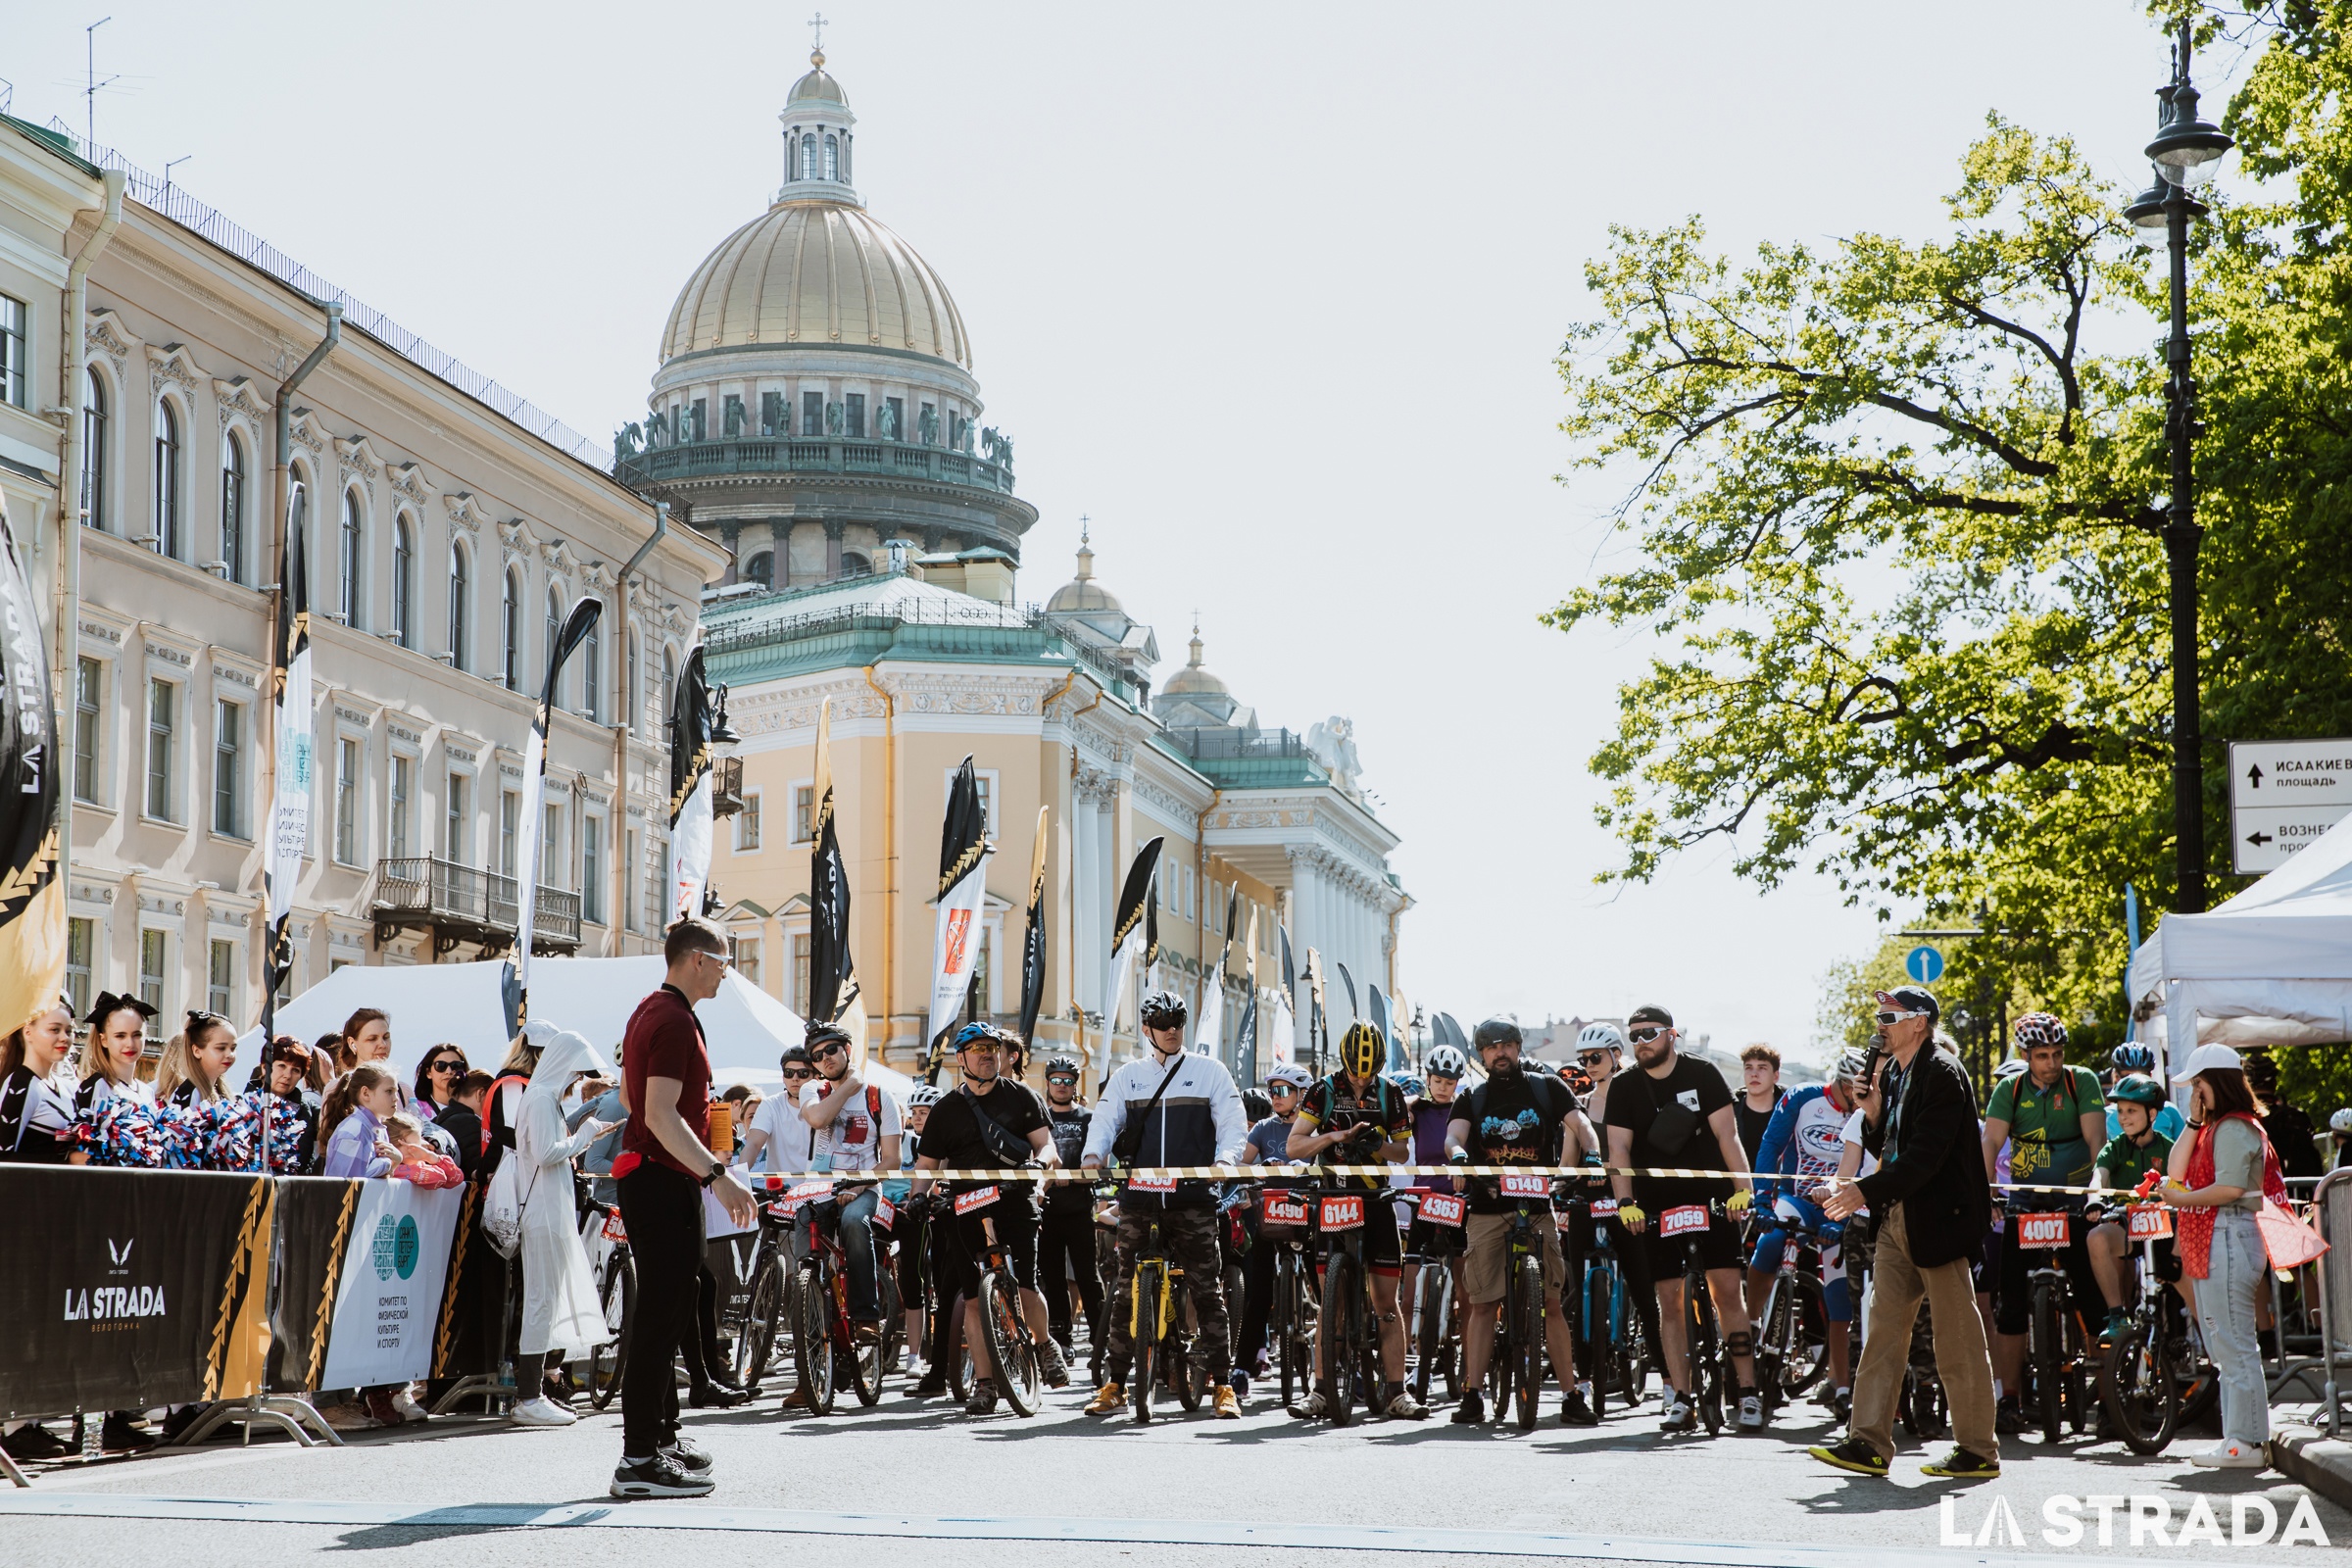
x: 2254, y: 777
x: 2258, y: 840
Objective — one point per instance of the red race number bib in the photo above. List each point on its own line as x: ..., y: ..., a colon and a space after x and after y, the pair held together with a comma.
x: 613, y: 1230
x: 2149, y: 1222
x: 2044, y: 1230
x: 1442, y: 1208
x: 1525, y: 1186
x: 1605, y: 1207
x: 1281, y: 1208
x: 885, y: 1211
x: 979, y: 1197
x: 1689, y: 1220
x: 1343, y: 1213
x: 1152, y: 1183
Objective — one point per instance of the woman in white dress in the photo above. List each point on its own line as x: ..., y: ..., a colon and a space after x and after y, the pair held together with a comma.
x: 561, y: 1319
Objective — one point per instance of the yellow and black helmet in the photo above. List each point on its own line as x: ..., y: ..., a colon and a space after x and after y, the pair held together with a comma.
x: 1362, y: 1050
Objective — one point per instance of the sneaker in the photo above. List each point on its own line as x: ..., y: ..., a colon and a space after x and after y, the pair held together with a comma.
x: 409, y: 1409
x: 379, y: 1408
x: 1575, y: 1413
x: 1680, y: 1414
x: 1472, y: 1411
x: 930, y: 1386
x: 35, y: 1440
x: 2230, y: 1454
x: 1852, y: 1455
x: 1229, y: 1403
x: 2117, y: 1320
x: 1240, y: 1384
x: 2009, y: 1416
x: 1841, y: 1403
x: 1310, y: 1408
x: 687, y: 1454
x: 1109, y: 1399
x: 915, y: 1366
x: 344, y: 1415
x: 984, y: 1398
x: 1752, y: 1410
x: 657, y: 1477
x: 717, y: 1396
x: 540, y: 1412
x: 1052, y: 1367
x: 1402, y: 1407
x: 117, y: 1436
x: 1962, y: 1465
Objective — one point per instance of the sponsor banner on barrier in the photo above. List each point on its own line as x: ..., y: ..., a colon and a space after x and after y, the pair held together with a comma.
x: 314, y: 1217
x: 732, y: 1261
x: 388, y: 1298
x: 126, y: 1289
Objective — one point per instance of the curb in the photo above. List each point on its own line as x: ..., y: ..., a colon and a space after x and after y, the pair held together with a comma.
x: 2307, y: 1454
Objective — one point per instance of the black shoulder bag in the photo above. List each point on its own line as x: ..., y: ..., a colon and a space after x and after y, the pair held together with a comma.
x: 1002, y: 1144
x: 1130, y: 1141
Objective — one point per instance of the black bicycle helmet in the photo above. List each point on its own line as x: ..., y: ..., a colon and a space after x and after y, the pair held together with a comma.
x: 1068, y: 1064
x: 1495, y: 1032
x: 1161, y: 1009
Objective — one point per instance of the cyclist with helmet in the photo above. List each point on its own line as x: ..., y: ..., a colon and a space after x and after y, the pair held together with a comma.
x: 2054, y: 1119
x: 1516, y: 1117
x: 1066, y: 1231
x: 1805, y: 1143
x: 2141, y: 1146
x: 1676, y: 1111
x: 1430, y: 1100
x: 992, y: 1122
x: 1170, y: 1107
x: 910, y: 1231
x: 1269, y: 1145
x: 2125, y: 1061
x: 857, y: 1127
x: 1356, y: 1117
x: 1601, y: 1055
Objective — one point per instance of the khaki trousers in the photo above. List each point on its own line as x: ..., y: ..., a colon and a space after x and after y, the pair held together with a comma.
x: 1953, y: 1325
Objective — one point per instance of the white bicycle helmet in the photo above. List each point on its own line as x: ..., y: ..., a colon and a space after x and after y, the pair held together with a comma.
x: 2341, y: 1122
x: 1445, y: 1061
x: 1601, y: 1037
x: 1290, y: 1073
x: 925, y: 1094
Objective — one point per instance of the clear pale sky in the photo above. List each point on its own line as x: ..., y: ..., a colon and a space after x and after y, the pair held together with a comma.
x: 1271, y: 292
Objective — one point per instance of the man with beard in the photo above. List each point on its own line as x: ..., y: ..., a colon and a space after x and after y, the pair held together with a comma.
x: 1513, y: 1118
x: 1676, y: 1111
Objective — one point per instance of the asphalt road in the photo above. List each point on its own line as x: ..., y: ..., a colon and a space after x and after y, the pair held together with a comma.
x: 1061, y: 1489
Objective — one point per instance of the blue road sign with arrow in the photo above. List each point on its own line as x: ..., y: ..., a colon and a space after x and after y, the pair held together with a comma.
x: 1924, y: 964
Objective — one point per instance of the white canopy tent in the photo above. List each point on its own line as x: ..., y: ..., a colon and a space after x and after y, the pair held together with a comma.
x: 458, y: 1004
x: 2271, y: 966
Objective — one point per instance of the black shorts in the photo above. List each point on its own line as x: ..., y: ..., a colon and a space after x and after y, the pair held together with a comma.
x: 1425, y: 1241
x: 1016, y: 1232
x: 1718, y: 1249
x: 1383, y: 1251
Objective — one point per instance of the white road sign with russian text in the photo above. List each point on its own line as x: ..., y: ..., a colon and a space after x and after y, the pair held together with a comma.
x: 2282, y: 795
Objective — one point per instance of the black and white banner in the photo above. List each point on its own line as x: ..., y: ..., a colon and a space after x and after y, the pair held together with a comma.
x: 963, y: 852
x: 394, y: 1270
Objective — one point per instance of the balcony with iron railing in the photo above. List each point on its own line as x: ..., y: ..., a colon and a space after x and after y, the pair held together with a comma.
x: 753, y: 454
x: 1233, y: 758
x: 461, y: 904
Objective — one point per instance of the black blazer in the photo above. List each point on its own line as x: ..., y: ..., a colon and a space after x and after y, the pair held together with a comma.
x: 1938, y: 1174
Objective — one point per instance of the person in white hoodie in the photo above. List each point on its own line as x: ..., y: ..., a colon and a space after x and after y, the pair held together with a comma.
x: 560, y: 1316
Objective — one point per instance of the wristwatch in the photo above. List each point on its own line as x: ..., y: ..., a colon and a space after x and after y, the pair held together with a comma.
x: 718, y: 1169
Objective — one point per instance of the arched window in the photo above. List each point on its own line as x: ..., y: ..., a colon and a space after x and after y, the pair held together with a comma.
x: 348, y: 557
x: 510, y: 665
x: 461, y: 587
x: 807, y: 155
x: 832, y: 156
x: 403, y: 582
x: 93, y: 450
x: 669, y: 685
x: 761, y: 570
x: 555, y: 630
x: 854, y: 565
x: 167, y: 479
x: 592, y: 672
x: 232, y: 508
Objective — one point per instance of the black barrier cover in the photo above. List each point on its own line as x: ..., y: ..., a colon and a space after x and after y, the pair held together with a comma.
x: 730, y: 1260
x: 314, y: 1226
x: 125, y: 1289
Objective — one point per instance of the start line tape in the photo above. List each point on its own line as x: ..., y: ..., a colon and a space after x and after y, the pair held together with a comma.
x: 1128, y: 1173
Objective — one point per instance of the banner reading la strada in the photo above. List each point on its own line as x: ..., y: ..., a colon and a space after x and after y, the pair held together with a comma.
x: 392, y: 1274
x: 126, y: 1289
x: 731, y: 1251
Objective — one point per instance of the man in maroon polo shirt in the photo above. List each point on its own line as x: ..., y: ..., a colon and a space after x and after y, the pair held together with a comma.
x: 663, y: 1168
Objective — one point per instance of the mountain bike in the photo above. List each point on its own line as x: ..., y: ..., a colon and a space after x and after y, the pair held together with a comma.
x: 825, y: 1340
x: 770, y: 1313
x: 1611, y: 1346
x: 1517, y: 1363
x: 2057, y: 1355
x: 1349, y: 1342
x: 1793, y: 1350
x: 1703, y: 1343
x: 1291, y: 1317
x: 614, y: 1270
x: 1432, y: 1330
x: 1018, y: 1375
x: 1156, y: 1317
x: 2153, y: 1379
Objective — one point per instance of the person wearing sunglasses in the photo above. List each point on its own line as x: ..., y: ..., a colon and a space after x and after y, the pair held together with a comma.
x: 438, y: 1075
x: 858, y: 1131
x: 1066, y: 1229
x: 781, y: 1140
x: 1269, y: 1145
x: 1931, y: 1203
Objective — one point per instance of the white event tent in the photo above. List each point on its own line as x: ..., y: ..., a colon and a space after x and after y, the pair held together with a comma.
x: 2271, y: 966
x: 458, y: 1004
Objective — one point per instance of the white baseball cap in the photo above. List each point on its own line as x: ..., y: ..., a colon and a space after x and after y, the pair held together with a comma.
x: 2215, y: 1055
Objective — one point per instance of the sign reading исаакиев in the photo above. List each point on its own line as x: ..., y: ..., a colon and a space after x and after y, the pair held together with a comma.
x: 2284, y: 795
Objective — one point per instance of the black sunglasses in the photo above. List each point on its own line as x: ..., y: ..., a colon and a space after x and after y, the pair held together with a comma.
x: 791, y: 1073
x: 1061, y: 1078
x: 450, y: 1065
x: 1583, y: 1056
x: 831, y: 1047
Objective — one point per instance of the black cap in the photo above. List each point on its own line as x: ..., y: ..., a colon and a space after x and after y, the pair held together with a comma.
x: 1913, y: 999
x: 1653, y: 1014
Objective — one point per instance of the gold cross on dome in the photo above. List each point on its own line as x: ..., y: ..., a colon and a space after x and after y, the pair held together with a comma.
x: 816, y: 29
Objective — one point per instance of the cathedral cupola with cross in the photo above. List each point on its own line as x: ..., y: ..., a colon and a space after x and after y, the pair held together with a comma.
x: 816, y: 400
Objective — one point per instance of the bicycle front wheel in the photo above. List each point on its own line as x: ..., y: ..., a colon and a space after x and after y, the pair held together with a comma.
x: 2139, y: 1384
x: 1527, y: 1305
x: 1703, y: 1363
x: 1429, y: 1327
x: 812, y: 1338
x: 608, y: 1360
x: 1342, y: 1332
x: 2049, y: 1395
x: 1008, y: 1343
x: 756, y: 1346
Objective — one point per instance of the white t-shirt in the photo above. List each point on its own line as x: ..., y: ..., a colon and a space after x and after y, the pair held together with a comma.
x: 854, y: 1138
x: 791, y: 1142
x: 1853, y: 1136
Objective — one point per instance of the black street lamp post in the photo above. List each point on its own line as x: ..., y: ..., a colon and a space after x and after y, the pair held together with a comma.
x: 2185, y: 153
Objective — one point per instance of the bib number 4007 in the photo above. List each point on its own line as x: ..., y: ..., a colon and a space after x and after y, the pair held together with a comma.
x: 2041, y: 1230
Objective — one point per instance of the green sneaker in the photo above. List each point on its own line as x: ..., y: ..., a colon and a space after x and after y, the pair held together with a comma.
x: 2117, y: 1321
x: 1852, y: 1455
x: 1962, y: 1465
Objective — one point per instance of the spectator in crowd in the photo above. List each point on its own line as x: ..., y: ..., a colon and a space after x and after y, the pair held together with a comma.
x: 1759, y: 1095
x: 2288, y: 1130
x: 36, y: 1103
x: 366, y: 1037
x: 110, y: 1055
x: 328, y: 1048
x: 461, y: 1119
x: 357, y: 1110
x: 2217, y: 1177
x: 438, y: 1074
x: 601, y: 1104
x: 288, y: 1061
x: 562, y: 1318
x: 416, y: 1162
x: 2340, y: 1135
x: 196, y: 1063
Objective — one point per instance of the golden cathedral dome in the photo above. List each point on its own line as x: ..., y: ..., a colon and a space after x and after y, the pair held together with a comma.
x: 1195, y: 679
x: 814, y: 272
x: 817, y: 85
